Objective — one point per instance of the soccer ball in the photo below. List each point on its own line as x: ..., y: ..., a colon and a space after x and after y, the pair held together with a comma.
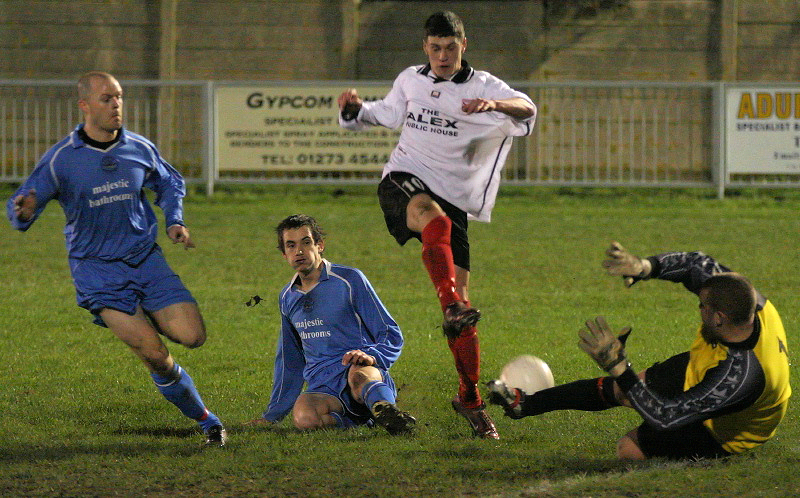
x: 527, y: 373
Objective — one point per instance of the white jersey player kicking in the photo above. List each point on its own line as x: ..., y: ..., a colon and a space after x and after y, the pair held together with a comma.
x: 457, y: 128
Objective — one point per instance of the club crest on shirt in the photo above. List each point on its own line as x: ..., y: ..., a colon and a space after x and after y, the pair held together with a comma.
x: 109, y: 163
x: 436, y: 94
x: 308, y: 304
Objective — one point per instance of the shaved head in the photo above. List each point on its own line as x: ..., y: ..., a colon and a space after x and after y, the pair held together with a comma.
x: 86, y: 80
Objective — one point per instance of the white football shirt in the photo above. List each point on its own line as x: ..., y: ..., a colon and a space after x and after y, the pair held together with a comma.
x: 459, y: 156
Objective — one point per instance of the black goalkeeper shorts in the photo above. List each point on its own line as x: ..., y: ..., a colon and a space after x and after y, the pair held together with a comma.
x: 693, y: 441
x: 394, y: 192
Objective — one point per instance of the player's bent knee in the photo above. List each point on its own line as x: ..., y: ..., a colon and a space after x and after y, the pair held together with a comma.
x: 181, y: 323
x: 198, y: 340
x: 620, y: 397
x: 628, y: 449
x: 421, y: 210
x: 191, y: 333
x: 358, y: 377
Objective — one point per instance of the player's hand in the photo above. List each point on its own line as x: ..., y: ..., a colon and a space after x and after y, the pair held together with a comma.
x: 349, y: 104
x: 179, y: 234
x: 25, y: 205
x: 358, y: 357
x: 471, y: 106
x: 603, y: 346
x: 620, y: 262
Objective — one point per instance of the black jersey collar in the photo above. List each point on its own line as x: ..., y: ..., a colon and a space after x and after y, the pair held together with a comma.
x: 84, y: 137
x: 462, y: 76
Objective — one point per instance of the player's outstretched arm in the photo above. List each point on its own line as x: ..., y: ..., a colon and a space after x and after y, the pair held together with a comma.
x: 622, y: 263
x: 179, y: 234
x: 516, y: 107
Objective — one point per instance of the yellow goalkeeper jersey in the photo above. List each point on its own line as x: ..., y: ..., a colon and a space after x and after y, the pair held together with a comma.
x: 755, y: 424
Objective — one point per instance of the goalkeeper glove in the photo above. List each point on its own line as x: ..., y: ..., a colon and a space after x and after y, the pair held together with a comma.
x: 604, y: 347
x: 630, y: 267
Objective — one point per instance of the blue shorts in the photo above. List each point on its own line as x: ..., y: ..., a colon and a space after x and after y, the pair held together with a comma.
x: 332, y: 380
x: 120, y: 286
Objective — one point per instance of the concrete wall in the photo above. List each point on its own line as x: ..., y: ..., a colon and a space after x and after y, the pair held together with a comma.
x: 53, y: 39
x: 553, y: 40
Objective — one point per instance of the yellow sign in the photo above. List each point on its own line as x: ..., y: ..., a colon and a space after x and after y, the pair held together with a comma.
x: 294, y: 128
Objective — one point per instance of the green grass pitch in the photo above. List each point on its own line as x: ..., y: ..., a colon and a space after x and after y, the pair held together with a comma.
x: 80, y: 416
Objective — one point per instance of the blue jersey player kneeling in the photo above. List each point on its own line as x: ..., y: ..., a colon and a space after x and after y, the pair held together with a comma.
x: 97, y: 173
x: 337, y: 337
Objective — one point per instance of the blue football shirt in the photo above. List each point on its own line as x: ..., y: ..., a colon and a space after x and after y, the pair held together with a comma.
x: 108, y: 216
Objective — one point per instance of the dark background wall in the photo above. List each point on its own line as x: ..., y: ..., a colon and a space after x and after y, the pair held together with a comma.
x: 544, y: 40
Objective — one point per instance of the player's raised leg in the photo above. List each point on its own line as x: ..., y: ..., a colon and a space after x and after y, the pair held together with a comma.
x: 460, y: 318
x: 597, y: 394
x: 425, y: 216
x: 172, y: 381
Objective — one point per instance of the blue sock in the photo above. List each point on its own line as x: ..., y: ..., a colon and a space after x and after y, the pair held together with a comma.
x: 375, y: 391
x: 179, y: 390
x: 341, y: 421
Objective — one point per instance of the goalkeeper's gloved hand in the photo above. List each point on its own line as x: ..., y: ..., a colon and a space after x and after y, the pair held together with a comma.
x: 604, y: 347
x: 623, y: 263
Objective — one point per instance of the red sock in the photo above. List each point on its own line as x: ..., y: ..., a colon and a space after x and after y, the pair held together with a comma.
x: 467, y: 354
x: 438, y: 258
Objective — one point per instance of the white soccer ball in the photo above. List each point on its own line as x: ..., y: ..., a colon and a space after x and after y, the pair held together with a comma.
x: 527, y: 373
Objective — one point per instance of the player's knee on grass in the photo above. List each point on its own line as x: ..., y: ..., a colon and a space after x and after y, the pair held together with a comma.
x: 628, y: 447
x: 307, y: 420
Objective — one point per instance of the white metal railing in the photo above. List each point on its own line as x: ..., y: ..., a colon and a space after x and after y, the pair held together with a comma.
x: 35, y: 114
x: 586, y: 134
x: 650, y: 134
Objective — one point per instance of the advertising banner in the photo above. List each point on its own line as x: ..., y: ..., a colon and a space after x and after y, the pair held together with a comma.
x: 294, y: 128
x: 762, y: 130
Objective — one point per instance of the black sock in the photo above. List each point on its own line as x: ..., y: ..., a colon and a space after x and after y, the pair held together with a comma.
x: 588, y: 395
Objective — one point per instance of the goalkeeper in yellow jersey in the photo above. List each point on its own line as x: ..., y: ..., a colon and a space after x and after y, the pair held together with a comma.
x: 726, y: 395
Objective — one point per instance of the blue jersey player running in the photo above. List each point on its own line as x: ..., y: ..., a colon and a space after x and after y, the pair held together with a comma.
x: 97, y: 174
x: 337, y: 337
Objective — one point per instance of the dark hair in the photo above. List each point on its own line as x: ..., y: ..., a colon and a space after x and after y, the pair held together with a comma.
x: 733, y: 295
x: 297, y: 221
x: 443, y: 24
